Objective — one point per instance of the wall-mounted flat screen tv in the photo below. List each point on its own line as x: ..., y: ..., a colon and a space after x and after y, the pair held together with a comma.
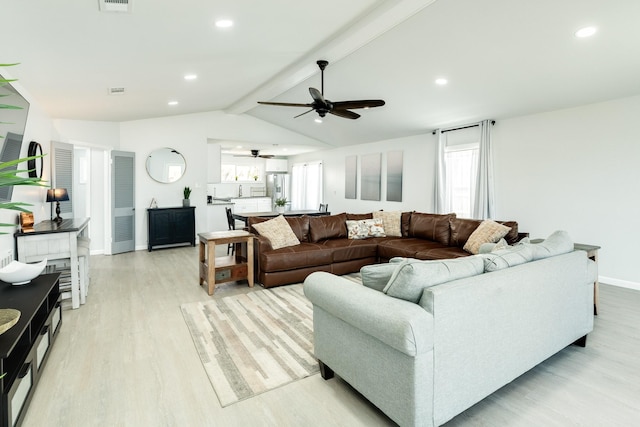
x: 13, y: 120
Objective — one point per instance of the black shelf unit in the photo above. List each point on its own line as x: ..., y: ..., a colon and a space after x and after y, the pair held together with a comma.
x: 25, y: 347
x: 171, y: 226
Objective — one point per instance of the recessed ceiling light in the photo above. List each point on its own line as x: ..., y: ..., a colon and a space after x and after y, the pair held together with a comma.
x: 172, y: 102
x: 585, y: 32
x: 318, y: 120
x: 190, y: 77
x: 224, y: 23
x: 441, y: 81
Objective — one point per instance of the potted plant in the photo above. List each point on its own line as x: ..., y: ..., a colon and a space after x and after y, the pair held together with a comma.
x: 185, y: 201
x: 280, y: 202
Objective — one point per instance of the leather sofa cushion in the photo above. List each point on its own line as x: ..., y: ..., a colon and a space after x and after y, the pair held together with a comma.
x: 434, y: 227
x: 408, y: 247
x: 443, y: 252
x: 405, y: 223
x: 293, y: 257
x: 358, y: 217
x: 299, y: 225
x: 327, y: 227
x: 346, y: 249
x: 461, y: 229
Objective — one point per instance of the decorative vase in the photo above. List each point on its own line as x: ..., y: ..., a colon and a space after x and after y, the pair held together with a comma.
x: 280, y: 209
x: 186, y: 203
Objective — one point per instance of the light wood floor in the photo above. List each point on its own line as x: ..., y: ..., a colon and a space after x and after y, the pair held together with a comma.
x: 126, y: 359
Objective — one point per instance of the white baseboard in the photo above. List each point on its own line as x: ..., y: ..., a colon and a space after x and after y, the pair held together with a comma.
x: 620, y: 283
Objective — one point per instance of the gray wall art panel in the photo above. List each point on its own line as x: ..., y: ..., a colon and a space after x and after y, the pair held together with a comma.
x: 394, y: 176
x: 350, y: 177
x: 370, y: 167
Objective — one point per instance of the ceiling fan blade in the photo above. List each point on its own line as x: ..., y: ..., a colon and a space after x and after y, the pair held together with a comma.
x: 317, y: 96
x: 344, y: 113
x: 295, y: 117
x: 365, y: 103
x: 285, y: 104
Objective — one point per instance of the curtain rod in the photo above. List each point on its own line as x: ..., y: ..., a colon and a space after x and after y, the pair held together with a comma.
x: 493, y: 122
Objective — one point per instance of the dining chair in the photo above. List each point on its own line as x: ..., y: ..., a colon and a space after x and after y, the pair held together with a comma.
x: 232, y: 226
x: 324, y: 207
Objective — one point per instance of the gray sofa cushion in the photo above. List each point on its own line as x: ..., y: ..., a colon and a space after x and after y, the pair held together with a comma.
x: 507, y: 257
x: 557, y: 243
x: 376, y: 276
x: 412, y: 276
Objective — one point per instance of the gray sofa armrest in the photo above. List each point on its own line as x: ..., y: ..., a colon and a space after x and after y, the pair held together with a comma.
x: 400, y: 324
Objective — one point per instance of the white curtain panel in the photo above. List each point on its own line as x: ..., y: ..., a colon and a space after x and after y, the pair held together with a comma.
x: 441, y: 174
x: 484, y: 206
x: 306, y: 186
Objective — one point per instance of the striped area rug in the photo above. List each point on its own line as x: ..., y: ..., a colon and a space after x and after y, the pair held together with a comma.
x: 254, y: 342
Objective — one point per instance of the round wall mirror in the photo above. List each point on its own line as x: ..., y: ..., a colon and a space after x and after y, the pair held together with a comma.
x: 166, y: 165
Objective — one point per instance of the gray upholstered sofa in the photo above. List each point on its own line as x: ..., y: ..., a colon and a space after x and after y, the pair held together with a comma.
x: 424, y: 362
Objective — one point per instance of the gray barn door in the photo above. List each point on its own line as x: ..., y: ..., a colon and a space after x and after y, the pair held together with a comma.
x: 123, y: 218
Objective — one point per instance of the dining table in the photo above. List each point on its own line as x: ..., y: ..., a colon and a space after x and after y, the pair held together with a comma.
x: 244, y: 216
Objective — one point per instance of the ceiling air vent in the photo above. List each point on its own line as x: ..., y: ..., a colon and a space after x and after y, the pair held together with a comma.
x: 116, y: 91
x: 115, y: 5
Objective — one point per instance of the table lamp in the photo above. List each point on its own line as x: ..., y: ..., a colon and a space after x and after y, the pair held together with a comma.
x: 57, y: 195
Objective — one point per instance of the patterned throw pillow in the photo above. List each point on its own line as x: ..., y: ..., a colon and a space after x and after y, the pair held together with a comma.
x: 487, y: 232
x: 391, y: 221
x: 365, y: 229
x: 278, y: 231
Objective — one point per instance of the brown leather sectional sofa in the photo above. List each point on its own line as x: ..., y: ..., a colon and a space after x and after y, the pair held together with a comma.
x: 324, y: 245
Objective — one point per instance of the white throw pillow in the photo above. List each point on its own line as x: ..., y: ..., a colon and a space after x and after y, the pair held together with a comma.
x: 278, y: 231
x: 365, y: 228
x: 391, y: 221
x: 487, y: 232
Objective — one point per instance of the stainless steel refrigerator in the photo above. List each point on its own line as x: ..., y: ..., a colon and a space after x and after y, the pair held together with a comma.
x: 279, y: 186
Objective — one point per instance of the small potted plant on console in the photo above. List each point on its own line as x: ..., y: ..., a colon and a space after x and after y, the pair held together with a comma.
x: 280, y: 202
x: 187, y: 193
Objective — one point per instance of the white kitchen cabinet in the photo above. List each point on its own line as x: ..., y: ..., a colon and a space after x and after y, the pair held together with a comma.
x: 213, y: 163
x: 276, y: 165
x: 264, y: 205
x: 252, y: 204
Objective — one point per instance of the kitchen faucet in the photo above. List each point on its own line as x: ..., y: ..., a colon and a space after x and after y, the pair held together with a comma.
x: 240, y: 190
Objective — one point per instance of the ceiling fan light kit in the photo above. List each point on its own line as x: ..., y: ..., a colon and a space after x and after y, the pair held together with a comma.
x: 322, y: 106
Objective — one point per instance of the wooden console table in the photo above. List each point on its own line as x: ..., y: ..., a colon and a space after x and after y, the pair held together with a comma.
x: 592, y: 253
x: 24, y: 349
x: 227, y: 268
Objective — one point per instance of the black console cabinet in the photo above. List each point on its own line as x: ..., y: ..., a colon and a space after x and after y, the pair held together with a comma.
x: 171, y: 226
x: 24, y: 348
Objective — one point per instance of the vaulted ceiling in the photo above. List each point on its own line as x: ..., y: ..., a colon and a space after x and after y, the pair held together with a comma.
x: 502, y: 58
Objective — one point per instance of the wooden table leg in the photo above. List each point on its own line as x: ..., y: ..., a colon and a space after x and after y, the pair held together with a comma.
x: 211, y: 260
x: 250, y: 261
x: 202, y: 260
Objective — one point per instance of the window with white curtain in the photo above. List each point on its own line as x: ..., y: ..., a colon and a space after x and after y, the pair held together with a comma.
x: 461, y: 169
x: 464, y: 171
x: 306, y: 185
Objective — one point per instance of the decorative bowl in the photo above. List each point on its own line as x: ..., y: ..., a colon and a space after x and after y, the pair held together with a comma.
x: 19, y: 273
x: 8, y: 318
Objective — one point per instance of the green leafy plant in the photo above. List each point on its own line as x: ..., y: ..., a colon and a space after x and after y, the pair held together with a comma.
x: 281, y: 201
x: 186, y: 192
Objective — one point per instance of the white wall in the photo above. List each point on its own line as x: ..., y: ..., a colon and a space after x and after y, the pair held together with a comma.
x: 189, y: 134
x: 574, y: 169
x: 419, y: 154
